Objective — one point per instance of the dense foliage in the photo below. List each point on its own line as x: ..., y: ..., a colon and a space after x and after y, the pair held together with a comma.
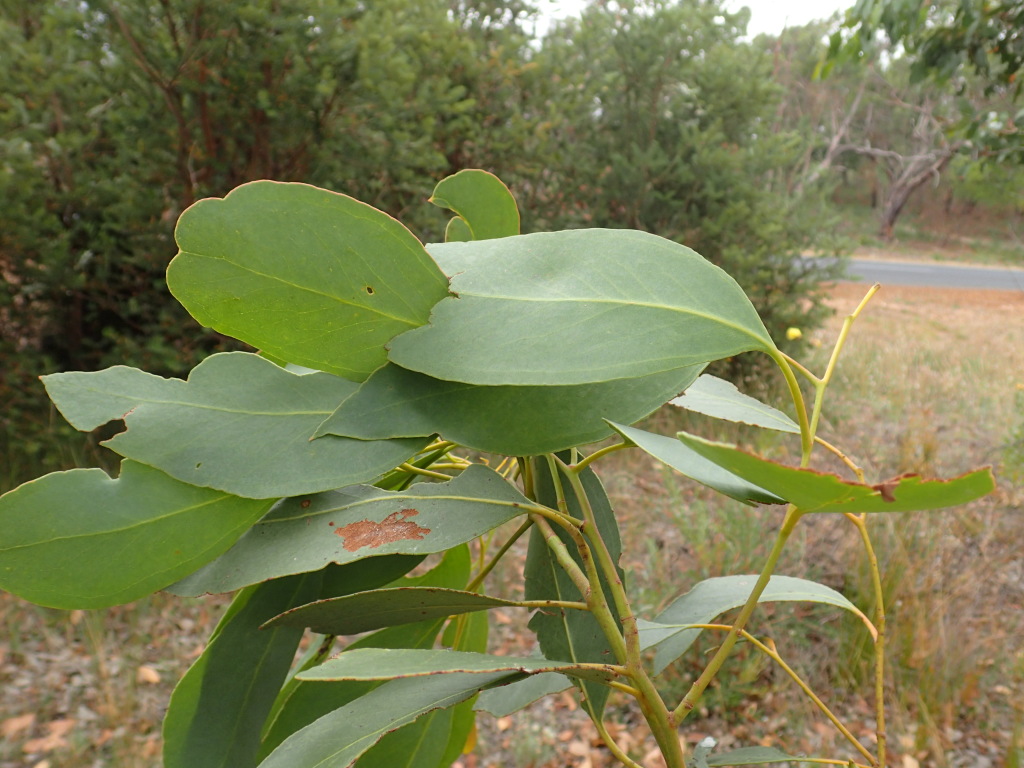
x: 117, y: 115
x: 312, y: 479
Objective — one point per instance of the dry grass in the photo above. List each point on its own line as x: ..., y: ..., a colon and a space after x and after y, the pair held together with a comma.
x: 927, y: 384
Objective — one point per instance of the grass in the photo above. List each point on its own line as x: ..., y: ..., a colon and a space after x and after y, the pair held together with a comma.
x: 928, y: 383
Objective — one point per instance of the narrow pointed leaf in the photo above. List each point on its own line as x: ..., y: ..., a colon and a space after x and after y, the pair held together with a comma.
x: 512, y: 421
x: 388, y: 663
x: 482, y: 201
x: 339, y: 738
x: 513, y: 697
x: 81, y: 539
x: 301, y: 702
x: 578, y: 307
x: 720, y: 399
x: 684, y: 459
x: 420, y: 744
x: 201, y: 431
x: 308, y: 275
x: 218, y: 708
x: 671, y: 635
x: 565, y: 633
x: 306, y: 533
x: 365, y: 611
x: 812, y: 491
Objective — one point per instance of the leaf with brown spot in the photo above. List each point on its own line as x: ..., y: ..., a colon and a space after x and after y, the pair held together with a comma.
x: 394, y: 527
x: 293, y: 538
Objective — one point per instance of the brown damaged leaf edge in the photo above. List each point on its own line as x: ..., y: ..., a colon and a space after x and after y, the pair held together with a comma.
x: 394, y: 527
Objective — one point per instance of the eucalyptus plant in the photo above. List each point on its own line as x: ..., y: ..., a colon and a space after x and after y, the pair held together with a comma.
x: 409, y: 401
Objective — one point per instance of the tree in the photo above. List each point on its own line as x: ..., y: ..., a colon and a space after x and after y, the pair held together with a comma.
x: 656, y: 116
x: 977, y: 45
x: 118, y: 115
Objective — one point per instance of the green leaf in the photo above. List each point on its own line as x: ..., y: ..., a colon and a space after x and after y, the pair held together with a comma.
x: 80, y: 539
x: 513, y: 697
x: 306, y: 533
x: 720, y: 399
x: 363, y: 575
x: 239, y: 424
x: 420, y: 744
x: 365, y: 611
x: 218, y: 708
x: 308, y: 275
x: 301, y: 702
x: 671, y: 634
x: 511, y: 421
x: 578, y: 307
x: 813, y: 491
x: 564, y: 633
x: 481, y: 201
x: 391, y: 663
x: 338, y: 739
x: 693, y: 465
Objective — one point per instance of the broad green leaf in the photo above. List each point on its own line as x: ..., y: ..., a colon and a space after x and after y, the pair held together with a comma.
x: 511, y: 421
x: 752, y: 756
x: 391, y: 663
x: 365, y: 611
x: 564, y: 633
x: 306, y: 533
x: 578, y: 307
x: 301, y: 702
x: 813, y: 491
x: 338, y: 739
x: 239, y: 424
x: 308, y: 275
x: 80, y: 539
x: 720, y: 399
x: 671, y: 633
x: 683, y: 459
x: 218, y: 708
x: 513, y: 697
x: 481, y: 201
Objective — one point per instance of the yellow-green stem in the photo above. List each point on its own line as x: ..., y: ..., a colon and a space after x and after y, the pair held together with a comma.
x: 588, y: 460
x: 774, y: 655
x: 614, y: 748
x: 806, y: 432
x: 425, y: 472
x: 701, y: 683
x: 647, y: 697
x: 486, y: 569
x: 879, y: 620
x: 819, y: 395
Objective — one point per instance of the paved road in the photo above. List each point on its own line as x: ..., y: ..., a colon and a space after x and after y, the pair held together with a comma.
x: 935, y: 275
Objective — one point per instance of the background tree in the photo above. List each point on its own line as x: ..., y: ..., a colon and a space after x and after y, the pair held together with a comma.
x: 118, y: 115
x: 657, y: 116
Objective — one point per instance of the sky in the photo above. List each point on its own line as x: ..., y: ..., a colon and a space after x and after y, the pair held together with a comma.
x: 766, y: 15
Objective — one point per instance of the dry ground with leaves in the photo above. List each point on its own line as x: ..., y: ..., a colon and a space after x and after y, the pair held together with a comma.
x: 927, y: 384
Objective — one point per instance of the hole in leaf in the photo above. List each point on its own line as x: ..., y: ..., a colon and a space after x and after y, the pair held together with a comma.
x: 199, y: 464
x: 369, y: 290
